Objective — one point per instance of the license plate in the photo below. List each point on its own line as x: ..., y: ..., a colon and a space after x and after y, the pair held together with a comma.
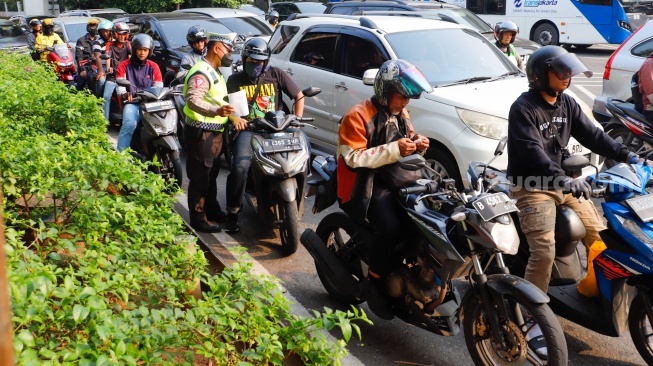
x: 575, y: 149
x: 494, y: 205
x: 281, y: 145
x: 158, y: 106
x: 642, y: 206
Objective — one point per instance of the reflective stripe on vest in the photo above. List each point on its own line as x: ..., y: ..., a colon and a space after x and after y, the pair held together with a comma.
x: 215, y: 95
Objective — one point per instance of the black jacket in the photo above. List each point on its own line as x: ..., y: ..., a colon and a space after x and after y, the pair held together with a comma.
x: 533, y: 151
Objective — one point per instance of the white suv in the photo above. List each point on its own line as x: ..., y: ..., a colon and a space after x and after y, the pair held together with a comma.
x: 624, y: 62
x: 474, y: 83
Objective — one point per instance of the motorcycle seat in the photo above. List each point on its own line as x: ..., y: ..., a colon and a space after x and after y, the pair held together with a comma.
x: 629, y: 110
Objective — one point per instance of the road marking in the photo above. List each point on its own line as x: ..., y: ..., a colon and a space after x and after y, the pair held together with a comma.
x: 258, y: 269
x: 586, y: 92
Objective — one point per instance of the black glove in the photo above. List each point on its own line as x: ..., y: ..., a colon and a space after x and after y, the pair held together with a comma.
x: 577, y: 187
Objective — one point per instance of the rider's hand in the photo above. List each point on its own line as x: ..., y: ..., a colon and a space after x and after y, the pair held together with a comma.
x: 406, y: 146
x: 109, y: 70
x: 633, y: 158
x: 100, y: 75
x: 240, y: 124
x: 578, y: 187
x: 127, y: 97
x: 421, y: 142
x: 225, y: 110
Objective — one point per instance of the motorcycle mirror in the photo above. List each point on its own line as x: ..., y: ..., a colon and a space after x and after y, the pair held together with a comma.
x: 181, y: 74
x: 157, y: 44
x: 311, y: 91
x: 576, y: 162
x: 501, y: 146
x: 412, y: 162
x: 123, y: 82
x: 369, y: 76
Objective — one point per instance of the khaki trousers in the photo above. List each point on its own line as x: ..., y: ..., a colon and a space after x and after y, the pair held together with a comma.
x: 537, y: 218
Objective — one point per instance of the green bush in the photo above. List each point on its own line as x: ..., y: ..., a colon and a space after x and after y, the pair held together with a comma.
x: 99, y: 266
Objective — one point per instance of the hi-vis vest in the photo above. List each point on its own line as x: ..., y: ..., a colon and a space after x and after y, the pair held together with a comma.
x: 216, y: 94
x: 511, y: 53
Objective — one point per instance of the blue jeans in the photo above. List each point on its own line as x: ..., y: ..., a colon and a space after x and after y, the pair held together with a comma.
x: 109, y: 87
x: 99, y: 84
x: 130, y: 118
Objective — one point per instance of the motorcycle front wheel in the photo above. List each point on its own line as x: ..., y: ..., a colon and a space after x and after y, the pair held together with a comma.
x: 641, y: 327
x: 170, y: 168
x: 335, y: 230
x: 289, y: 230
x: 522, y: 315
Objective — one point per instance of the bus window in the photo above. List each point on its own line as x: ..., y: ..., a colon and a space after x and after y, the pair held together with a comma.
x: 490, y: 7
x: 596, y: 2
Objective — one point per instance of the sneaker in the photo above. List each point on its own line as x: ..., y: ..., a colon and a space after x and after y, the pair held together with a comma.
x: 535, y: 338
x: 231, y: 224
x: 376, y: 299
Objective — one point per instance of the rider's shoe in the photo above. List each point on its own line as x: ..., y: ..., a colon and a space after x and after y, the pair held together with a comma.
x: 535, y: 338
x: 231, y: 224
x: 376, y: 298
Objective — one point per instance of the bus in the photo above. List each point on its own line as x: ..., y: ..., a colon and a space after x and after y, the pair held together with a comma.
x: 580, y: 23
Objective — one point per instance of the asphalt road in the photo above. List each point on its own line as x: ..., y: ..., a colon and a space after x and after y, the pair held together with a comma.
x: 393, y: 342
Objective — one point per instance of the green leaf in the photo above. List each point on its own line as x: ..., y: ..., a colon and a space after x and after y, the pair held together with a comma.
x: 346, y: 330
x: 103, y: 332
x: 26, y: 337
x: 80, y: 313
x: 86, y: 292
x: 46, y: 353
x: 120, y: 348
x: 70, y: 356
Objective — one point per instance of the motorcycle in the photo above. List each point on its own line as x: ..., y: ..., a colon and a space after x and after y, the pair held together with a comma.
x: 155, y: 136
x: 440, y: 285
x: 623, y: 271
x: 64, y: 62
x: 632, y: 128
x: 277, y: 175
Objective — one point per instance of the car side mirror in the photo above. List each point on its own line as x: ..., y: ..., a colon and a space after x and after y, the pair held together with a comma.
x: 412, y: 162
x: 369, y: 76
x: 501, y: 146
x: 576, y: 162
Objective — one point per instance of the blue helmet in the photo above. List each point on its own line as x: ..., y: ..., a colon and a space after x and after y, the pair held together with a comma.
x: 399, y: 76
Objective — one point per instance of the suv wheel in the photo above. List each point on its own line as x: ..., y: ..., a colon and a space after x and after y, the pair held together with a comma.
x: 445, y: 165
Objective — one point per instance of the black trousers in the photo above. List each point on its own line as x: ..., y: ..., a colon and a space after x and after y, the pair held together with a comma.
x: 202, y: 169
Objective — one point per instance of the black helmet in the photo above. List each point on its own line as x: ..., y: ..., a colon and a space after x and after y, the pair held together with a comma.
x: 503, y: 27
x: 555, y: 58
x: 92, y: 26
x: 195, y: 34
x: 256, y: 49
x: 399, y: 76
x: 34, y: 22
x: 142, y: 40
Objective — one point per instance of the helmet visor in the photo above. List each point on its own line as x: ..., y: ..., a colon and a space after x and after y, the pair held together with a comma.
x: 569, y: 65
x: 414, y: 83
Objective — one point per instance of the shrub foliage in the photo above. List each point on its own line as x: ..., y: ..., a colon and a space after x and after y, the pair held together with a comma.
x: 99, y: 266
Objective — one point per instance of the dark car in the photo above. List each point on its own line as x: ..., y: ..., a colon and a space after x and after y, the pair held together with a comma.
x: 286, y: 8
x: 12, y: 37
x: 429, y: 9
x: 169, y: 33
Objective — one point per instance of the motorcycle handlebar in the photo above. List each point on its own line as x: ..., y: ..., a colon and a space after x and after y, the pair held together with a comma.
x: 430, y: 187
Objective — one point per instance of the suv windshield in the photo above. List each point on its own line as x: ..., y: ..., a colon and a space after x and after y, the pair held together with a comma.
x: 247, y: 26
x: 451, y: 55
x: 176, y: 29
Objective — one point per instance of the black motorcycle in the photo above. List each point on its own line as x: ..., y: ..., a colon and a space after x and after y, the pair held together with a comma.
x: 441, y: 285
x: 631, y: 128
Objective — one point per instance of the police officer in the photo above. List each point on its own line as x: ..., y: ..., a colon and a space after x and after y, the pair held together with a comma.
x: 206, y: 113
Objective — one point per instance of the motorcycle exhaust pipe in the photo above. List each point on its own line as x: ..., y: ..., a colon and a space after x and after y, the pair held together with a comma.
x: 329, y: 263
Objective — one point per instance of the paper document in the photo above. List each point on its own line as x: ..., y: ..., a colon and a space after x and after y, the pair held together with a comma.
x: 239, y: 101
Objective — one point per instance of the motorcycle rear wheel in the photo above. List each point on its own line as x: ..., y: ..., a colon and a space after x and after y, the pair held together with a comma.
x: 641, y: 328
x: 289, y: 230
x: 481, y: 348
x: 335, y: 230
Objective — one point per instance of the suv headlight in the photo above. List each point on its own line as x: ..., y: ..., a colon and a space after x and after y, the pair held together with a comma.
x: 483, y: 124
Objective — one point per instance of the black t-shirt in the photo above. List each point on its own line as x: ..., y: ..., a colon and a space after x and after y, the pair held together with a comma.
x: 272, y: 81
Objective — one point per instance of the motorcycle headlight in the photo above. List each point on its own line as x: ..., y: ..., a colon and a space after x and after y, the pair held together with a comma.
x: 483, y: 124
x: 504, y: 236
x: 268, y: 165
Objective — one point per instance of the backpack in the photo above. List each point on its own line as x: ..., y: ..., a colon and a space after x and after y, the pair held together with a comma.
x: 637, y: 94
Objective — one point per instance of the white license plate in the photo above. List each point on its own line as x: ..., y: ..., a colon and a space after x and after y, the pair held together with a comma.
x: 575, y: 149
x: 159, y: 106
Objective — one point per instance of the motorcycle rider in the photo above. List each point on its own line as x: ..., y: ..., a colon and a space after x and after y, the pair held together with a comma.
x: 118, y: 51
x: 84, y: 51
x: 99, y: 49
x: 197, y: 41
x: 273, y: 18
x: 142, y: 73
x: 47, y: 39
x: 35, y: 27
x: 540, y: 124
x: 261, y: 99
x: 375, y: 133
x: 206, y: 111
x: 505, y: 33
x: 646, y: 87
